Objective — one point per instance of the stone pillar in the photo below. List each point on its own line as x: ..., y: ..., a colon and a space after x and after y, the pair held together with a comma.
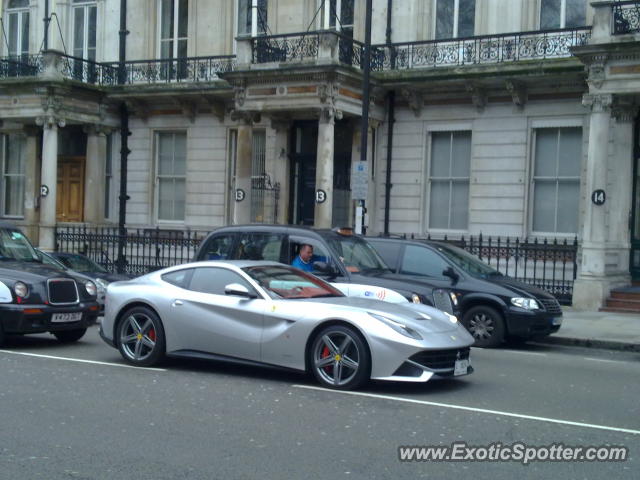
x: 94, y: 175
x: 592, y: 286
x: 242, y: 192
x: 49, y: 182
x: 324, y: 170
x: 32, y: 182
x: 282, y: 167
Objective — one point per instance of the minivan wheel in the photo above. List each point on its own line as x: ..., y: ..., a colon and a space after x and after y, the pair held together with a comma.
x: 485, y: 324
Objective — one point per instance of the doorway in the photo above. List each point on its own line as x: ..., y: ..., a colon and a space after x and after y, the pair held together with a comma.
x: 70, y: 186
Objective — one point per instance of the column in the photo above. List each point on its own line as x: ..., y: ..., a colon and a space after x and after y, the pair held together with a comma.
x: 94, y: 175
x: 49, y: 182
x: 32, y: 182
x: 324, y: 171
x: 242, y: 189
x: 591, y: 287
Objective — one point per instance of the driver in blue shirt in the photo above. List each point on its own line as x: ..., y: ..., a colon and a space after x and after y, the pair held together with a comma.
x: 305, y: 258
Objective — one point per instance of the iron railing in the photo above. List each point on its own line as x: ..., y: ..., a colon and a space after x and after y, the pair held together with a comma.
x: 265, y: 197
x: 626, y: 17
x: 88, y: 71
x: 547, y: 264
x: 169, y: 70
x: 20, y: 66
x: 486, y: 49
x: 146, y: 250
x: 285, y: 48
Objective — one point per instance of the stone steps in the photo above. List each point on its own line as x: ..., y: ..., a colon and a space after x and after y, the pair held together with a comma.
x: 623, y: 300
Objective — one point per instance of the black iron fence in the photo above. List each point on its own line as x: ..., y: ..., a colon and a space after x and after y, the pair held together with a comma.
x: 265, y: 197
x: 626, y: 17
x: 88, y: 71
x: 486, y: 49
x: 290, y: 47
x: 20, y: 66
x: 146, y: 250
x: 547, y: 264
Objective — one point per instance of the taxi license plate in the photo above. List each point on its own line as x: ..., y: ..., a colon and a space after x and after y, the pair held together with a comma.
x: 66, y: 317
x: 461, y: 367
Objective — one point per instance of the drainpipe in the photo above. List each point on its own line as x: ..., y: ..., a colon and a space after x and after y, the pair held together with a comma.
x: 124, y: 143
x: 391, y: 106
x: 47, y: 21
x: 364, y: 131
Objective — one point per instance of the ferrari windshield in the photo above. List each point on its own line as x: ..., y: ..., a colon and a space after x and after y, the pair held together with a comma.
x: 286, y: 282
x: 467, y: 262
x: 357, y: 255
x: 15, y: 246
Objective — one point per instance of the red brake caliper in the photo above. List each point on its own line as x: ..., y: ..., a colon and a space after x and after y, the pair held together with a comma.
x: 152, y: 335
x: 325, y: 353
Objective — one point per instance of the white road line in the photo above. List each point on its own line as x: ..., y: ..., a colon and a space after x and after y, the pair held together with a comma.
x: 604, y: 360
x: 79, y: 360
x: 523, y: 352
x: 471, y: 409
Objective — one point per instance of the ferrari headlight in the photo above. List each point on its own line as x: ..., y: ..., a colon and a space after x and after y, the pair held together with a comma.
x: 415, y: 298
x: 102, y: 284
x: 527, y: 303
x: 21, y: 289
x: 91, y: 288
x: 401, y: 328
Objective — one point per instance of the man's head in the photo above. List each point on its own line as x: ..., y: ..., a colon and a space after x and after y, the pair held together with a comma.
x: 306, y: 252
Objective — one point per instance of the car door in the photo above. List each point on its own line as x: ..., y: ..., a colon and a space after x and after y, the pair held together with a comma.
x: 210, y: 321
x: 421, y: 261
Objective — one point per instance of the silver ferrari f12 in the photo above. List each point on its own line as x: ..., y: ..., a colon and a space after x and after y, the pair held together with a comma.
x: 268, y: 313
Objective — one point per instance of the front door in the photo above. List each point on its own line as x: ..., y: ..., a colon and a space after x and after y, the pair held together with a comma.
x: 635, y: 208
x: 303, y: 173
x: 70, y: 194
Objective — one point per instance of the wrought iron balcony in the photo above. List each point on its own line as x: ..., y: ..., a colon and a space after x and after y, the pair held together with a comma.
x: 87, y: 71
x: 486, y: 49
x: 626, y: 17
x: 20, y: 66
x: 187, y: 70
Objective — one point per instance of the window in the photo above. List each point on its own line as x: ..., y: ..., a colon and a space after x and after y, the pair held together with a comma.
x: 562, y: 13
x: 556, y: 180
x: 13, y: 176
x: 455, y: 18
x: 174, y: 22
x: 389, y: 251
x: 171, y: 175
x: 252, y: 17
x: 84, y: 29
x: 18, y: 27
x: 178, y: 278
x: 214, y: 280
x: 337, y: 14
x: 422, y: 261
x: 109, y: 180
x: 449, y: 180
x: 218, y: 247
x: 260, y: 246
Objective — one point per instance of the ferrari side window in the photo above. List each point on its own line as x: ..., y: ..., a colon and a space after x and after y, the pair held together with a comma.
x: 178, y: 278
x: 214, y: 280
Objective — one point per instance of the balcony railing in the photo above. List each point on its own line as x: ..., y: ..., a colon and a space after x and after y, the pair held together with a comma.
x: 626, y: 17
x: 487, y: 49
x: 20, y: 66
x: 291, y: 47
x: 170, y: 70
x: 88, y: 71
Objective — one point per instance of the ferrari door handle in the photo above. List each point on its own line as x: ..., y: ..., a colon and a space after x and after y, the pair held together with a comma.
x: 176, y: 303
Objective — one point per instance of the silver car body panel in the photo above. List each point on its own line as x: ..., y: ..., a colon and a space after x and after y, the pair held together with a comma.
x: 277, y: 331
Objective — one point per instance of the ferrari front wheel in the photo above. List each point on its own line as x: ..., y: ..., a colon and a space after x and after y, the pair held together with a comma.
x: 339, y: 358
x: 141, y: 337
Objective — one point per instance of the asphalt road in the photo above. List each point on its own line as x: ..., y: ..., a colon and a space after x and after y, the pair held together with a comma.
x: 63, y: 415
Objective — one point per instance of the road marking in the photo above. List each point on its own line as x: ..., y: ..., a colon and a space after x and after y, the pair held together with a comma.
x: 526, y: 353
x: 79, y: 360
x: 472, y: 409
x: 604, y: 360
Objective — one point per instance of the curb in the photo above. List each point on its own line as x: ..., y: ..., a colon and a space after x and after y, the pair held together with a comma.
x: 591, y: 343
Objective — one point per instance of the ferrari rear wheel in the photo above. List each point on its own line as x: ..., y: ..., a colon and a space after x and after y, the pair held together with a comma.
x: 141, y: 337
x: 339, y: 358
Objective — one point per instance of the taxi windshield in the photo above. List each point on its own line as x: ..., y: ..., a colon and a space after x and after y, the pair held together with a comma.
x: 15, y: 246
x: 290, y: 283
x: 357, y: 255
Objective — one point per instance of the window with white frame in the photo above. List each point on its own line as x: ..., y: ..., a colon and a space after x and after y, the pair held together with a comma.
x: 171, y: 175
x: 455, y: 18
x: 259, y: 177
x: 13, y: 175
x: 556, y: 180
x: 17, y: 20
x: 252, y: 17
x: 85, y: 14
x: 174, y: 28
x: 336, y: 15
x: 108, y: 179
x: 562, y: 14
x: 232, y: 155
x: 449, y: 180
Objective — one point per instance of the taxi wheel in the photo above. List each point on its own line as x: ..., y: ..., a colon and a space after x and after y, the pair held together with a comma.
x: 485, y: 325
x: 339, y: 358
x: 69, y: 336
x: 140, y: 337
x: 2, y: 337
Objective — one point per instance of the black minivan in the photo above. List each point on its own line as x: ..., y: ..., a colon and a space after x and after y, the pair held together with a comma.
x: 492, y: 306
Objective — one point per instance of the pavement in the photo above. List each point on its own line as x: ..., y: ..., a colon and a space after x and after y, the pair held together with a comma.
x: 607, y: 330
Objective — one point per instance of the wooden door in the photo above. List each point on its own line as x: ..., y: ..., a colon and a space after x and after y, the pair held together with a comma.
x: 70, y: 195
